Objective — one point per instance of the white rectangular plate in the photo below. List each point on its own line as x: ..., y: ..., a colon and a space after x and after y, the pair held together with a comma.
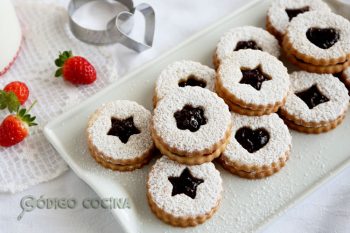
x: 247, y: 204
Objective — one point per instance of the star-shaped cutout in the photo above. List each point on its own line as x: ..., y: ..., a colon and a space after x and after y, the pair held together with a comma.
x: 123, y: 128
x: 312, y: 96
x: 190, y: 118
x: 254, y: 77
x: 185, y: 183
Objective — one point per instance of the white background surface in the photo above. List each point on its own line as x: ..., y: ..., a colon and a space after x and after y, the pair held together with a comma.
x: 327, y: 210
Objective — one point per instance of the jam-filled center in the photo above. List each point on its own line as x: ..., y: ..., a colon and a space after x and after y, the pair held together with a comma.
x: 338, y: 75
x: 247, y: 44
x: 191, y: 118
x: 123, y: 128
x: 186, y: 183
x: 252, y: 140
x: 312, y: 96
x: 254, y: 77
x: 193, y: 81
x: 296, y: 11
x: 323, y: 38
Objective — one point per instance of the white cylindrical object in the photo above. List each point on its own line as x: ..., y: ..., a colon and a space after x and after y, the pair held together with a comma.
x: 10, y: 35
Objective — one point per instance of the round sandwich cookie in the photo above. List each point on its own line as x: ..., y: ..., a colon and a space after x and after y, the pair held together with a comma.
x: 281, y: 12
x: 317, y: 103
x: 183, y: 195
x: 119, y: 136
x: 247, y: 37
x: 318, y: 42
x: 182, y: 74
x: 259, y: 146
x: 191, y: 125
x: 344, y: 77
x: 252, y: 82
x: 320, y: 69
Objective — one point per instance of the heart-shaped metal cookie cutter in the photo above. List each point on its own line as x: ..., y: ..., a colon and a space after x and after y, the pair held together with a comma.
x: 117, y: 28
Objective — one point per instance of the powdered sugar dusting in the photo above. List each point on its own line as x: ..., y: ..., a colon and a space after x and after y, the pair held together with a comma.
x: 170, y: 77
x: 329, y: 86
x: 279, y: 142
x: 279, y: 18
x: 346, y: 75
x: 296, y: 33
x: 263, y: 39
x: 111, y: 146
x: 207, y: 196
x: 215, y: 110
x: 271, y: 91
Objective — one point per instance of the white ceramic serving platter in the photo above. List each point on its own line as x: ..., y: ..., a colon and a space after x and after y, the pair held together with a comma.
x: 247, y: 205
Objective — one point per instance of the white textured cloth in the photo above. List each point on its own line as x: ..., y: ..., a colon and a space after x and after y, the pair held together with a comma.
x: 325, y: 211
x: 34, y: 160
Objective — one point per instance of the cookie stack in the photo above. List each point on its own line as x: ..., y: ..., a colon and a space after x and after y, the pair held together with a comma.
x: 282, y: 12
x: 255, y: 85
x: 191, y: 126
x: 318, y: 42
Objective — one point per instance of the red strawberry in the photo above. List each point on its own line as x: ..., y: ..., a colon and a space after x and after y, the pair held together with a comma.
x: 15, y: 128
x: 75, y: 69
x: 20, y: 89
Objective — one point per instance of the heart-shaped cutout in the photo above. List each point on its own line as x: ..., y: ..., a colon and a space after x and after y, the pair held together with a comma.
x: 148, y: 12
x: 323, y: 38
x: 252, y: 140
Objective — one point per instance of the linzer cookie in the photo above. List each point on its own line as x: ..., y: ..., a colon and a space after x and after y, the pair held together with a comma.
x: 259, y: 146
x: 282, y: 12
x: 183, y: 195
x: 252, y: 82
x: 119, y: 136
x: 191, y: 125
x: 318, y: 42
x: 344, y: 77
x: 247, y: 37
x: 181, y: 74
x: 317, y: 103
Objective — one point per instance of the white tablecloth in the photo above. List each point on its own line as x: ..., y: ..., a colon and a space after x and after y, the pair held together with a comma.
x: 327, y: 210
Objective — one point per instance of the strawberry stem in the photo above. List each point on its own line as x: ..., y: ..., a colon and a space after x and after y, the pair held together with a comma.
x: 31, y: 106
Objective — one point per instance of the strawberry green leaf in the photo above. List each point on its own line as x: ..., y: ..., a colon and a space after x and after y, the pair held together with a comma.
x: 67, y: 54
x: 22, y: 112
x: 3, y: 99
x: 12, y: 102
x: 58, y: 73
x: 9, y: 100
x: 32, y: 124
x: 59, y: 62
